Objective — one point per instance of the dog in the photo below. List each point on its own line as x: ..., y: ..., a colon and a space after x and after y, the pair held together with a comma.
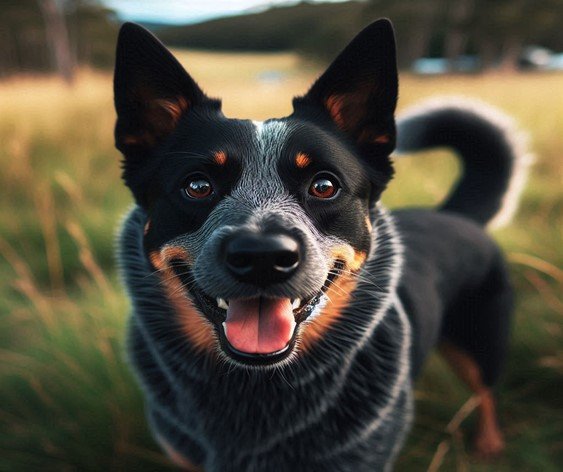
x: 280, y: 313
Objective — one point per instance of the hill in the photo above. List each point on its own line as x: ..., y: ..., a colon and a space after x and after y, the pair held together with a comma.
x: 301, y: 27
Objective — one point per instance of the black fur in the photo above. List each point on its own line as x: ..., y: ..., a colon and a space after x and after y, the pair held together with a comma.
x: 344, y: 403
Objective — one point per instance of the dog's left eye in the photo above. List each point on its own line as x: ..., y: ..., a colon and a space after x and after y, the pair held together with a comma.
x: 324, y: 186
x: 198, y: 187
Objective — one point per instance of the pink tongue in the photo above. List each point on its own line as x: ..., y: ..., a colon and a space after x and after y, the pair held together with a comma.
x: 259, y: 325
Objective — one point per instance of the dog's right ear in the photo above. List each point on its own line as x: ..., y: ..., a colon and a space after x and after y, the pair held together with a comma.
x: 152, y: 93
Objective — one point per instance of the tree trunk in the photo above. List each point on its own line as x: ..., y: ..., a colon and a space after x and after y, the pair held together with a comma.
x: 457, y: 34
x: 421, y: 35
x: 57, y: 37
x: 510, y: 55
x: 487, y: 52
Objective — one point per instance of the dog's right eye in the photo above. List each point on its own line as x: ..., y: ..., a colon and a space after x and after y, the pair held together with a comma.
x: 324, y: 186
x: 198, y: 187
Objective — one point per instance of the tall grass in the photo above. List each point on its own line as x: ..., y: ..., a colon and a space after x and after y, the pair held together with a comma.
x: 67, y: 398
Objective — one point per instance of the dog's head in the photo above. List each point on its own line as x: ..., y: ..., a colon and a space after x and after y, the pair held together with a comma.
x: 257, y: 229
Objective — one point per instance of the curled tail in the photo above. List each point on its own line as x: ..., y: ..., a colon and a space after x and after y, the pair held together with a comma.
x: 492, y: 150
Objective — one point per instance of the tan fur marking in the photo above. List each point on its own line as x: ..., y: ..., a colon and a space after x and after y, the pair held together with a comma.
x: 220, y: 157
x: 302, y: 160
x: 147, y: 227
x: 353, y: 259
x: 338, y: 295
x: 368, y: 224
x: 334, y: 105
x: 175, y: 108
x: 169, y: 253
x: 179, y: 460
x: 347, y: 109
x: 136, y: 139
x: 372, y: 136
x: 160, y: 117
x: 382, y: 139
x: 489, y: 441
x: 193, y: 324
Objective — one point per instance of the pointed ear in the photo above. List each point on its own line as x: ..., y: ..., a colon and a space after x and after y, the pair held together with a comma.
x: 358, y: 91
x: 152, y: 91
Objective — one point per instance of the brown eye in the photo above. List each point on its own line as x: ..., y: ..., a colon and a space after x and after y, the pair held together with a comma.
x: 198, y: 187
x: 324, y: 187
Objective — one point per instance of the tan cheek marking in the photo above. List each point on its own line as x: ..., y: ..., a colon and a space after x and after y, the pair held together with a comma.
x: 147, y: 227
x: 302, y: 160
x: 196, y: 328
x: 368, y: 224
x: 220, y: 157
x: 353, y: 260
x: 338, y: 294
x: 169, y: 253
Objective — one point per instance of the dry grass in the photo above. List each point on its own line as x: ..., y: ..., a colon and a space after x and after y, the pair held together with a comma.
x: 67, y: 398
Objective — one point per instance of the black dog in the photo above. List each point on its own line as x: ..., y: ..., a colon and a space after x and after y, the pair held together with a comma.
x: 280, y: 313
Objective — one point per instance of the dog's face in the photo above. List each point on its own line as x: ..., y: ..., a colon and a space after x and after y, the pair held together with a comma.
x: 257, y: 229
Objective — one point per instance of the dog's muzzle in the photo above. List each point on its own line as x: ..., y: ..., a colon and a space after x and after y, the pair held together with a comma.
x: 260, y: 326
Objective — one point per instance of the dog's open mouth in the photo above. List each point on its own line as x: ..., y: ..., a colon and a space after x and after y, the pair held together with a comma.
x: 260, y: 330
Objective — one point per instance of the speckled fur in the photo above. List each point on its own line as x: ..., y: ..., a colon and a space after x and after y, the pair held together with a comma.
x: 345, y: 402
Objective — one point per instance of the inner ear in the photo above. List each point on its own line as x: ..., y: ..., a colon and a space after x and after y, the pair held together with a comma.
x: 158, y: 118
x: 152, y: 92
x: 349, y: 111
x: 358, y: 91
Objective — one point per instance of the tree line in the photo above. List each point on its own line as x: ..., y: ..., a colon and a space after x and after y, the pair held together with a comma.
x: 55, y: 36
x: 496, y: 31
x: 58, y: 35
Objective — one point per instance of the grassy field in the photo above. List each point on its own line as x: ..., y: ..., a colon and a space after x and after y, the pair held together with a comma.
x: 67, y: 398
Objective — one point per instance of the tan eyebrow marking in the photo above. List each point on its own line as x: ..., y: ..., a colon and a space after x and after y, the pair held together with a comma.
x: 302, y: 160
x: 220, y: 157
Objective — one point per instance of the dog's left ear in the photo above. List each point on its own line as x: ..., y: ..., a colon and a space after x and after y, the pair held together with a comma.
x: 359, y: 90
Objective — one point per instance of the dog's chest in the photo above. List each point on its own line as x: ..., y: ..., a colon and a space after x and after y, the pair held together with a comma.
x: 345, y: 410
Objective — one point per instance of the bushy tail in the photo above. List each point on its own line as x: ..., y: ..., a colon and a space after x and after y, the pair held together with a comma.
x: 492, y: 150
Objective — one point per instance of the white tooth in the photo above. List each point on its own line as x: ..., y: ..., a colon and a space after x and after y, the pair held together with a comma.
x: 221, y: 303
x: 224, y: 327
x: 295, y: 304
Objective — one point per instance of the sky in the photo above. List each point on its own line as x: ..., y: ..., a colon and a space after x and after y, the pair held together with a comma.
x: 189, y: 11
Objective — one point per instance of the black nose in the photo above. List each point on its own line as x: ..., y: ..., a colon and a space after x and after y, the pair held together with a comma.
x: 261, y: 259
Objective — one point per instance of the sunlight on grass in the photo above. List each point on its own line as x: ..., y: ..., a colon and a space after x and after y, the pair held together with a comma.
x: 68, y: 400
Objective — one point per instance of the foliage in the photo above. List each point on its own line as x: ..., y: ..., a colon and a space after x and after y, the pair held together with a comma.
x: 321, y: 29
x: 67, y: 398
x: 23, y: 40
x: 492, y: 29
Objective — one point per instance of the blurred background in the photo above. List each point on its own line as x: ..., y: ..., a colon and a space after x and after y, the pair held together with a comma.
x: 67, y: 398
